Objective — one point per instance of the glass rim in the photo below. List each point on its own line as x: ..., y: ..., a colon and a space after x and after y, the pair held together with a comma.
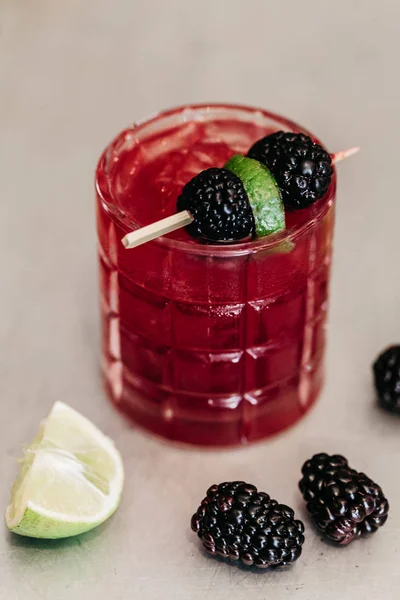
x: 270, y: 243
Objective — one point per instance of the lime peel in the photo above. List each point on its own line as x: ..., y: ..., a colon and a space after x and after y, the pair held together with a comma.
x: 263, y: 193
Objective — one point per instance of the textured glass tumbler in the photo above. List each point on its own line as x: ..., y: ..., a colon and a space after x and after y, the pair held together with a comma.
x: 208, y: 344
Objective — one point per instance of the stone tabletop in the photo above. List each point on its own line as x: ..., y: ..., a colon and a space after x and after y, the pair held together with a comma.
x: 72, y: 74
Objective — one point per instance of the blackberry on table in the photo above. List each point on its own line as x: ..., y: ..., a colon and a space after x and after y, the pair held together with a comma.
x: 219, y: 204
x: 343, y: 502
x: 301, y: 167
x: 386, y: 370
x: 238, y: 522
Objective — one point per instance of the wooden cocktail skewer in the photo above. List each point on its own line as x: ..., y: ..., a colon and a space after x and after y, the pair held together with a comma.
x: 343, y: 154
x: 155, y: 230
x: 183, y: 218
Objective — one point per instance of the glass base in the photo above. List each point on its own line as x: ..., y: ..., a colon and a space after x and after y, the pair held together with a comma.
x: 244, y: 422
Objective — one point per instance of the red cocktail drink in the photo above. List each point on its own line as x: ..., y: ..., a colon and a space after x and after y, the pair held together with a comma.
x: 212, y: 344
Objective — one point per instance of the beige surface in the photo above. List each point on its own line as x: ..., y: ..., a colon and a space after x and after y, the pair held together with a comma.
x: 72, y: 74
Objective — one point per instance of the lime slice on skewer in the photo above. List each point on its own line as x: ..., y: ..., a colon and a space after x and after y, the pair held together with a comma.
x: 263, y: 193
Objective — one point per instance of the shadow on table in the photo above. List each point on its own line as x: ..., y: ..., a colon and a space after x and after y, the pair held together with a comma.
x: 245, y: 568
x: 19, y: 541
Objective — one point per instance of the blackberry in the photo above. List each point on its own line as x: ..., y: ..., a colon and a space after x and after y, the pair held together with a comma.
x: 386, y: 370
x: 301, y: 167
x: 219, y: 204
x: 236, y: 521
x: 343, y: 503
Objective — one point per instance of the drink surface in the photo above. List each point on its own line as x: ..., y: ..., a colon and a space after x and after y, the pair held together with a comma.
x: 148, y: 178
x: 210, y: 348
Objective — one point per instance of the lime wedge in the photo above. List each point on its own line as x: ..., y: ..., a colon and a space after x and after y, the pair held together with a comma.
x: 70, y: 480
x: 263, y: 193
